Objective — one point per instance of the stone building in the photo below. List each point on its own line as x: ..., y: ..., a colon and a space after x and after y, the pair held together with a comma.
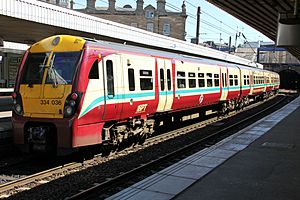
x: 157, y: 20
x: 62, y: 3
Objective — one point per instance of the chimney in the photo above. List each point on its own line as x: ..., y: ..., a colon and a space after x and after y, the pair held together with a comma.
x: 139, y: 6
x: 183, y: 8
x: 112, y: 5
x: 72, y: 4
x: 161, y: 7
x: 90, y: 4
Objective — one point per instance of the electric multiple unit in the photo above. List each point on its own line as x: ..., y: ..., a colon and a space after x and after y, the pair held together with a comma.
x: 72, y: 92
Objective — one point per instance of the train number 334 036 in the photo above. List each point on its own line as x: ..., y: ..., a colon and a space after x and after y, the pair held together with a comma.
x: 50, y: 102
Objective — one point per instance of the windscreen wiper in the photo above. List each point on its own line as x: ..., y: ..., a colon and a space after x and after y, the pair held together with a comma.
x: 53, y: 72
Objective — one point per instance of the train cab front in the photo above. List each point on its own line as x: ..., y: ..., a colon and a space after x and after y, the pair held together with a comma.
x: 45, y: 98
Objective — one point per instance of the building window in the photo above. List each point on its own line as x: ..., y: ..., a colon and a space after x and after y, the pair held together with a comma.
x: 149, y: 14
x: 150, y: 27
x: 167, y: 29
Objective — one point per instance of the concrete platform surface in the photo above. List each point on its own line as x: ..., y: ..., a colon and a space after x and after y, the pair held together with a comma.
x: 259, y: 162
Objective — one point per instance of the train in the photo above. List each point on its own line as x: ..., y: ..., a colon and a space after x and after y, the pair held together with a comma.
x: 73, y: 92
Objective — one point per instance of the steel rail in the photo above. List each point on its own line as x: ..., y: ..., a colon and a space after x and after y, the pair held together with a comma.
x: 29, y: 179
x: 84, y: 194
x: 162, y: 137
x: 201, y: 124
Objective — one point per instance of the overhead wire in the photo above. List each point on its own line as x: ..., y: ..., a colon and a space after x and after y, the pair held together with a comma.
x: 188, y: 21
x: 202, y: 20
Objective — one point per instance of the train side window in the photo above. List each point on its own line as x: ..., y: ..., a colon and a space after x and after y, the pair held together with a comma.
x: 169, y: 79
x: 162, y: 80
x: 146, y: 83
x: 201, y: 81
x: 94, y: 73
x: 146, y: 80
x: 209, y: 81
x: 192, y: 75
x: 236, y: 81
x: 192, y: 80
x: 181, y: 80
x: 180, y: 74
x: 231, y: 80
x: 201, y: 75
x: 131, y: 79
x: 216, y: 80
x: 192, y: 83
x: 110, y: 78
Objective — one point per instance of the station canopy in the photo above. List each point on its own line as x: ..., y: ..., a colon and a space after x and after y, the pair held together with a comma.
x: 267, y: 16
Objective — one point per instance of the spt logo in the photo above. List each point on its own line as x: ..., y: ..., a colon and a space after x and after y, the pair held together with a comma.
x: 141, y: 108
x: 201, y: 98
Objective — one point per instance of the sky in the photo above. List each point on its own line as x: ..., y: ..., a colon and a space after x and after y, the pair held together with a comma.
x: 216, y: 25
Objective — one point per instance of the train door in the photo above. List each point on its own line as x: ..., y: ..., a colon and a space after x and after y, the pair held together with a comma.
x: 224, y: 85
x: 251, y: 73
x: 112, y: 78
x: 165, y: 85
x: 240, y: 81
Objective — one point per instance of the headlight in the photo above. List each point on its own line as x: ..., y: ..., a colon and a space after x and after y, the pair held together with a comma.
x: 68, y: 110
x: 72, y: 103
x: 18, y: 108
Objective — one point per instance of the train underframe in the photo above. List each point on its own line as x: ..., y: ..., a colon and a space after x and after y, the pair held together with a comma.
x: 42, y: 136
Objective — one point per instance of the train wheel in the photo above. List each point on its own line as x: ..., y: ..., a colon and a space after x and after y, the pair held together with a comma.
x: 106, y: 149
x: 224, y: 109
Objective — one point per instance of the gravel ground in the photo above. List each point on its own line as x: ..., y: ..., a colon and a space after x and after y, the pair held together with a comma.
x: 70, y: 184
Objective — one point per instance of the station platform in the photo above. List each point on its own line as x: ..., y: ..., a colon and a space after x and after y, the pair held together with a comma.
x: 259, y: 162
x: 5, y: 115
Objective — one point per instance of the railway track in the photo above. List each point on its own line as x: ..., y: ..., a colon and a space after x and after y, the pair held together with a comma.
x: 97, y: 188
x: 28, y: 182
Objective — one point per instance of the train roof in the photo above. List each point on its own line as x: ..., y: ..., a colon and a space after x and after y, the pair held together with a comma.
x: 75, y: 43
x: 141, y: 50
